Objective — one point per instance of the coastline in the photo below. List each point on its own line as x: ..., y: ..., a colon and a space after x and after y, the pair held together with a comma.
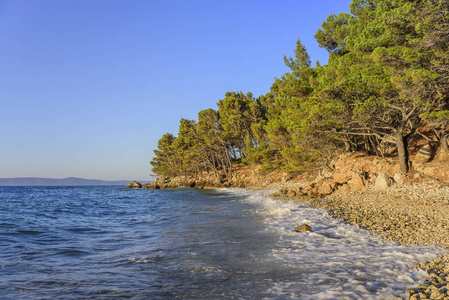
x: 407, y: 214
x: 410, y: 210
x: 410, y: 214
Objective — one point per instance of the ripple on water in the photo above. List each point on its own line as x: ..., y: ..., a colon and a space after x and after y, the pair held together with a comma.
x: 96, y: 242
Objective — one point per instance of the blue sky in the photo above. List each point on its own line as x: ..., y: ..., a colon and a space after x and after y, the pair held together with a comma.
x: 87, y: 87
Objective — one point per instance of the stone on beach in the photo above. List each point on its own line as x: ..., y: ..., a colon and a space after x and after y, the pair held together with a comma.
x: 408, y: 214
x: 399, y: 178
x: 383, y: 182
x: 303, y: 228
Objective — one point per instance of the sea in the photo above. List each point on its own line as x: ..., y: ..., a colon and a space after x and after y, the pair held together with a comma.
x: 115, y: 243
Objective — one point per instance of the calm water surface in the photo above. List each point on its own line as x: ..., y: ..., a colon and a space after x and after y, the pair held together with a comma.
x: 115, y: 243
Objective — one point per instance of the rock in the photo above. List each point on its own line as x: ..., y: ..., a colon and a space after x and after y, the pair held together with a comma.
x: 424, y: 154
x: 411, y: 291
x: 149, y: 186
x: 357, y: 182
x: 443, y: 156
x: 431, y: 289
x: 399, y: 178
x: 343, y: 189
x: 383, y: 182
x: 293, y: 192
x: 417, y: 176
x: 134, y: 185
x: 303, y: 228
x: 437, y: 295
x: 326, y: 188
x: 340, y: 164
x: 342, y: 177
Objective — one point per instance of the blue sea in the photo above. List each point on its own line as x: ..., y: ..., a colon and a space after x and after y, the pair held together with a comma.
x: 116, y: 243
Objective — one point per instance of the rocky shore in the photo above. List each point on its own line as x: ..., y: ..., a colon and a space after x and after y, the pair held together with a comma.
x: 367, y: 191
x: 408, y: 214
x: 410, y: 209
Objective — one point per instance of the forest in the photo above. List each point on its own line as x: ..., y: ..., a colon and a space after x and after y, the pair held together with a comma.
x: 387, y: 75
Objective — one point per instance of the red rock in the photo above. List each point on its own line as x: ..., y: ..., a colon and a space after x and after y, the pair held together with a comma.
x: 340, y: 164
x: 342, y: 178
x: 357, y: 182
x: 325, y: 189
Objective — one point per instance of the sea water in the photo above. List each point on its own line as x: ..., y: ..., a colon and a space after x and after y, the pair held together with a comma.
x: 115, y: 243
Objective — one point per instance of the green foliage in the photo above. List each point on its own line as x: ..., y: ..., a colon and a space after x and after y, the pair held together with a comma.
x: 333, y: 33
x: 165, y: 161
x: 436, y: 115
x: 387, y: 70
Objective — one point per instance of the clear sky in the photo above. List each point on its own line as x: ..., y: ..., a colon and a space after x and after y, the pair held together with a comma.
x: 87, y: 87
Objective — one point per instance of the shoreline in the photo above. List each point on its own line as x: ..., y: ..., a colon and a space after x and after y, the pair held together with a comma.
x: 407, y: 214
x: 410, y: 209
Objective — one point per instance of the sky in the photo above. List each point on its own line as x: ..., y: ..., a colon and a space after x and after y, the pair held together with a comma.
x: 88, y: 87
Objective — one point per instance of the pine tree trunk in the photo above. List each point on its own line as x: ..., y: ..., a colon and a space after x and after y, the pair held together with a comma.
x: 401, y: 144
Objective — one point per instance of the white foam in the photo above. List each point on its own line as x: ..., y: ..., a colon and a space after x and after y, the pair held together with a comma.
x: 338, y: 260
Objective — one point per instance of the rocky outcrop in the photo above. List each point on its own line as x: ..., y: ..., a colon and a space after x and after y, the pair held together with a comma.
x: 134, y: 185
x: 243, y: 176
x: 351, y: 172
x: 357, y: 171
x: 149, y: 185
x: 175, y: 182
x: 208, y: 181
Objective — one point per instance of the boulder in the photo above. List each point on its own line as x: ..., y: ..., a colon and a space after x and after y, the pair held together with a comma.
x: 150, y: 186
x: 326, y: 188
x: 299, y: 192
x: 357, y: 182
x: 293, y: 192
x: 340, y: 164
x: 399, y: 178
x: 424, y: 154
x: 134, y: 185
x: 383, y: 182
x: 303, y: 228
x: 307, y: 190
x: 343, y: 189
x: 342, y: 177
x: 443, y: 156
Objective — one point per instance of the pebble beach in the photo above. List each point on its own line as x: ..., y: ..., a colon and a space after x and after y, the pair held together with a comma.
x: 408, y: 214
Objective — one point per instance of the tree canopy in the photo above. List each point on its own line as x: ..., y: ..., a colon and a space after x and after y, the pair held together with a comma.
x: 387, y: 72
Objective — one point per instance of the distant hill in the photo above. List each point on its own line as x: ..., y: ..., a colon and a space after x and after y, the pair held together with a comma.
x: 71, y: 181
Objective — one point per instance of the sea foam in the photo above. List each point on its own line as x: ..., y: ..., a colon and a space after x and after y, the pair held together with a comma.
x: 337, y: 260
